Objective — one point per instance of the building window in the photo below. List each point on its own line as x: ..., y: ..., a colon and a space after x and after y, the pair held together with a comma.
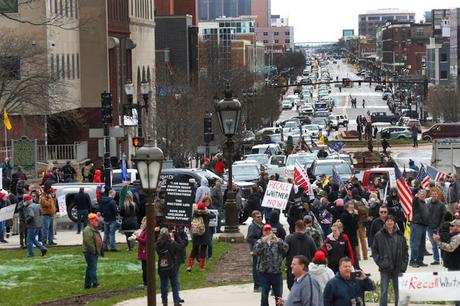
x: 443, y: 75
x: 287, y: 41
x: 287, y: 33
x: 443, y: 57
x: 363, y: 18
x: 276, y: 33
x: 265, y: 41
x: 73, y: 66
x: 265, y: 33
x: 78, y: 65
x: 10, y: 67
x: 277, y: 41
x: 9, y: 6
x: 373, y: 18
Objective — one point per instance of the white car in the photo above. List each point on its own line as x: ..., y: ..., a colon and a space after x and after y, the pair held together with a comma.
x: 313, y: 130
x: 305, y: 159
x: 274, y: 149
x: 287, y: 104
x: 338, y: 120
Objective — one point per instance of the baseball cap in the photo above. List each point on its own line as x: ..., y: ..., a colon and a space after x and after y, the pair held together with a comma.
x: 27, y: 197
x: 307, y: 219
x: 164, y: 230
x: 201, y: 205
x: 92, y: 217
x: 319, y: 256
x: 267, y: 226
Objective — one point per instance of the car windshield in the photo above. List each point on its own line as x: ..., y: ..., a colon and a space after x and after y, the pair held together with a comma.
x: 302, y: 159
x: 318, y: 121
x: 261, y: 159
x: 342, y: 169
x: 310, y: 127
x: 275, y: 138
x: 245, y: 170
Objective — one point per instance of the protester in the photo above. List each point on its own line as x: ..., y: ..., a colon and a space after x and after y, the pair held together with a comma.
x: 346, y: 290
x: 319, y: 270
x: 202, y: 191
x: 390, y: 253
x: 378, y: 224
x: 270, y: 249
x: 109, y: 213
x: 34, y: 222
x: 312, y: 231
x: 200, y: 235
x: 299, y: 244
x: 305, y: 291
x: 218, y: 202
x: 168, y: 247
x: 92, y: 249
x: 453, y: 194
x: 418, y: 226
x: 48, y: 210
x: 349, y: 220
x: 2, y: 223
x: 83, y: 204
x: 278, y: 228
x: 212, y: 228
x: 69, y: 172
x: 324, y: 217
x: 254, y: 234
x: 129, y: 223
x: 337, y: 245
x: 436, y: 210
x: 22, y: 223
x: 363, y: 218
x: 159, y: 205
x: 141, y: 237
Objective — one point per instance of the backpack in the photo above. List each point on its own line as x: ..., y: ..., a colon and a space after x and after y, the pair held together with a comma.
x: 198, y: 228
x: 165, y: 262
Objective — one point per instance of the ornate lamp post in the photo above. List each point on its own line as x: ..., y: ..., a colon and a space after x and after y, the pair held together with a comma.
x: 229, y: 113
x: 149, y: 160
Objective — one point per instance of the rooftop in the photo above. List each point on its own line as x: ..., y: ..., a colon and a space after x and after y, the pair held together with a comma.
x: 388, y: 11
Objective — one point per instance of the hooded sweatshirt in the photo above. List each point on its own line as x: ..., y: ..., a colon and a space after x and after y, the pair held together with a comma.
x: 202, y: 191
x: 299, y: 244
x: 321, y: 273
x: 277, y: 227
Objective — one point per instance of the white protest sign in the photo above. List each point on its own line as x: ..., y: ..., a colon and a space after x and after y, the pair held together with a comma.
x: 277, y: 195
x: 62, y: 206
x: 7, y: 213
x: 428, y: 286
x: 213, y: 221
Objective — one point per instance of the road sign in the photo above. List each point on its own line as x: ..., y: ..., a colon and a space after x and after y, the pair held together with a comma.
x: 113, y: 147
x: 116, y: 132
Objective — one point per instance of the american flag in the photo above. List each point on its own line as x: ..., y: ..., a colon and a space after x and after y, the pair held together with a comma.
x: 405, y: 193
x: 435, y: 174
x: 423, y: 177
x: 301, y: 179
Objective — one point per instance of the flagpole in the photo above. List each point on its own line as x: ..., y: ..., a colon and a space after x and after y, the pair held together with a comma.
x: 6, y: 142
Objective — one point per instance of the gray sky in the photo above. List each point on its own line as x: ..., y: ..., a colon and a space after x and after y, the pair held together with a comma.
x: 323, y: 20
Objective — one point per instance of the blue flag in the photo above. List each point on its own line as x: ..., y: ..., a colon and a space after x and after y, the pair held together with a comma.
x: 124, y: 169
x: 337, y: 146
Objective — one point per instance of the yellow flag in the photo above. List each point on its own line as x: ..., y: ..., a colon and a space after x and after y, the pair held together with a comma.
x: 6, y: 121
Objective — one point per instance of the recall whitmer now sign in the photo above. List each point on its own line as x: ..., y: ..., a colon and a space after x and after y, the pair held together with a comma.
x: 277, y: 195
x: 429, y: 286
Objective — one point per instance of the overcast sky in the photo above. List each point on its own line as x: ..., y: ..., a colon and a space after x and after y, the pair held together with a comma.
x: 323, y: 20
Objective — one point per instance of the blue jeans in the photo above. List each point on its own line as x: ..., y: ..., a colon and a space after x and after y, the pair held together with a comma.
x: 212, y: 230
x: 82, y: 217
x: 2, y: 230
x: 32, y: 233
x: 47, y: 229
x: 91, y: 268
x: 434, y: 246
x: 385, y: 278
x: 255, y: 273
x: 109, y: 229
x: 417, y: 242
x: 164, y: 283
x: 267, y: 280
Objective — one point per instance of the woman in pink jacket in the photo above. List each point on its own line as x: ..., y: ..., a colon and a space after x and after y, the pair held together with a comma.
x: 141, y: 237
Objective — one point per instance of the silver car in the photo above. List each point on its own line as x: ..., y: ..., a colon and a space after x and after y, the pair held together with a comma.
x: 397, y: 132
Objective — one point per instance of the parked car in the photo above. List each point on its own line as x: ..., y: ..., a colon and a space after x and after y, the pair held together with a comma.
x: 262, y: 159
x: 335, y: 121
x: 246, y: 171
x: 274, y: 149
x: 384, y: 117
x: 287, y: 104
x: 396, y: 133
x: 325, y: 166
x: 248, y: 139
x: 305, y: 159
x: 442, y: 130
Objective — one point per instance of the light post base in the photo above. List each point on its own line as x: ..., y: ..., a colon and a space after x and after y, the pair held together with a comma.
x: 232, y: 237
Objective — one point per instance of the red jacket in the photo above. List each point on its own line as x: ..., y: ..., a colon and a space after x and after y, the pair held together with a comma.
x: 220, y: 167
x: 142, y: 249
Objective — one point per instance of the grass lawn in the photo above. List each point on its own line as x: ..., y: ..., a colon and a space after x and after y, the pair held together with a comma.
x: 60, y: 274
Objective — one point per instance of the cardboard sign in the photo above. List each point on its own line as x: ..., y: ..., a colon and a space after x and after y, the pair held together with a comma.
x: 213, y: 221
x: 277, y: 195
x: 62, y: 206
x: 179, y: 200
x: 7, y: 213
x: 427, y: 286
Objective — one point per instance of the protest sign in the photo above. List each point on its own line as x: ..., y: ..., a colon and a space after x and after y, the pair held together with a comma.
x: 213, y: 221
x: 429, y: 286
x: 62, y: 206
x: 178, y: 202
x: 7, y: 213
x: 277, y: 195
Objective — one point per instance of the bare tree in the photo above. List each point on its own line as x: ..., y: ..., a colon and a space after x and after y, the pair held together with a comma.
x: 443, y: 102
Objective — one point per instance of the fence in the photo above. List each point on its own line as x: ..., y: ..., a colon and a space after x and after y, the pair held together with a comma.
x: 77, y: 151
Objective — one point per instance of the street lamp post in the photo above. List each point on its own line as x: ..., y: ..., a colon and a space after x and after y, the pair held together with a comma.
x: 229, y: 113
x: 149, y: 160
x: 145, y: 89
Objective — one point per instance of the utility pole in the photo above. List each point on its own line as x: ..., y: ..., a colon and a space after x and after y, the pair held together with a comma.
x: 106, y: 109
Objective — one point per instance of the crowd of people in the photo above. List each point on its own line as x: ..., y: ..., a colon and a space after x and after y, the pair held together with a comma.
x: 339, y: 227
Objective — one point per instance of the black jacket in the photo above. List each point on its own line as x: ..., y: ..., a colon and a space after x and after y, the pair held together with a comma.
x: 108, y: 209
x: 299, y: 244
x: 253, y: 202
x: 376, y: 226
x: 254, y: 233
x: 350, y: 226
x: 420, y: 212
x: 204, y: 239
x: 436, y: 212
x: 277, y: 227
x: 174, y: 247
x: 82, y: 201
x: 390, y: 253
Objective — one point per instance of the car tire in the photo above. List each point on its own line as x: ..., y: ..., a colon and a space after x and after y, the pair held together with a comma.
x: 72, y: 211
x: 427, y: 138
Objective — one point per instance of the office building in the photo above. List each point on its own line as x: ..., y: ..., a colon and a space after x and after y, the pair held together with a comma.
x: 368, y: 22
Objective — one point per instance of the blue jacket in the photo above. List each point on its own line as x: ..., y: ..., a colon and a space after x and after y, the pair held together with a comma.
x: 108, y: 209
x: 339, y: 292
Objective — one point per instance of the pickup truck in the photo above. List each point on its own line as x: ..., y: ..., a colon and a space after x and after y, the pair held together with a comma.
x: 384, y: 117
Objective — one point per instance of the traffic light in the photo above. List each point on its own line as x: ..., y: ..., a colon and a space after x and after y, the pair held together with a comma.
x: 128, y: 107
x: 106, y: 107
x: 138, y: 142
x: 208, y: 134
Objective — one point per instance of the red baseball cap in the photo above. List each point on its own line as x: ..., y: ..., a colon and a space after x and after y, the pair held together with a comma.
x: 201, y: 205
x: 319, y: 256
x: 267, y: 226
x: 27, y: 197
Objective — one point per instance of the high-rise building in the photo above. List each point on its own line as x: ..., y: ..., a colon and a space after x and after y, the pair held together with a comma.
x: 261, y: 9
x: 278, y: 36
x: 212, y: 9
x: 370, y: 20
x: 455, y: 43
